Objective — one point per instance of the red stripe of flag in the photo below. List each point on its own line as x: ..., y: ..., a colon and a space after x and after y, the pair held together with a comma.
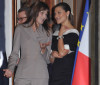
x: 81, y: 76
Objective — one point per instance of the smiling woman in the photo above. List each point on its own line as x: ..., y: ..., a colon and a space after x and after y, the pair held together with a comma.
x: 64, y: 42
x: 30, y: 39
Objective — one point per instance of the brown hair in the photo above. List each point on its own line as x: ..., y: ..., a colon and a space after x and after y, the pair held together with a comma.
x: 35, y: 9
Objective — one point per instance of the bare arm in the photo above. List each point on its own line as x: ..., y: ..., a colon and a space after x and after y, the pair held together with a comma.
x: 62, y: 51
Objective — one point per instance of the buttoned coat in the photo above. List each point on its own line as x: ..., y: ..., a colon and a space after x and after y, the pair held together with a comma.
x: 32, y: 63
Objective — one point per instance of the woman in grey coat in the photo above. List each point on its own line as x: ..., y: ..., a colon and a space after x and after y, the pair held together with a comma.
x: 33, y: 39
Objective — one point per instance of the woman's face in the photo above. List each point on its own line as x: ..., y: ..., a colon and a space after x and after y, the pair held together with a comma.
x: 42, y: 16
x: 60, y: 15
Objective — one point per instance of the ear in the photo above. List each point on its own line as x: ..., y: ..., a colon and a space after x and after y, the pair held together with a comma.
x: 67, y: 13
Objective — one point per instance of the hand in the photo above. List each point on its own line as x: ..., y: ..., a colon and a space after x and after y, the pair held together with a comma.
x: 63, y: 53
x: 7, y: 73
x: 48, y: 43
x: 55, y: 54
x: 18, y: 61
x: 42, y: 45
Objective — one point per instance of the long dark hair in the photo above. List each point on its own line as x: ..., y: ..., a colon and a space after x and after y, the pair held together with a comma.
x: 35, y: 9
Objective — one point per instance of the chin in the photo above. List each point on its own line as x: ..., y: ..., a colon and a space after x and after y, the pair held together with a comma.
x: 58, y: 22
x: 41, y: 22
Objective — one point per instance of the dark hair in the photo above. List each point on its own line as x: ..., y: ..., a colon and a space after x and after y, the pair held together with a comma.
x: 27, y: 11
x: 65, y: 7
x: 53, y: 14
x: 35, y: 9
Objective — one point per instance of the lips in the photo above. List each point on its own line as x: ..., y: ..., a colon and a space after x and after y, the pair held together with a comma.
x: 57, y: 19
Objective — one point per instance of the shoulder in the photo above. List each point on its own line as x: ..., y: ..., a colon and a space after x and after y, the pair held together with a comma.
x: 19, y: 26
x: 19, y: 29
x: 73, y: 31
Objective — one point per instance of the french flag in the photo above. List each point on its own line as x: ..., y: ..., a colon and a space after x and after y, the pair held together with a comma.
x: 81, y: 70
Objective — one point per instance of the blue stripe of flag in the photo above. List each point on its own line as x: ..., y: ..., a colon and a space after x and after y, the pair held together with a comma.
x: 84, y: 18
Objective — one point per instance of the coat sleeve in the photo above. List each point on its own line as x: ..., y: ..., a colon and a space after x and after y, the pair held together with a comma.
x: 48, y: 50
x: 12, y: 61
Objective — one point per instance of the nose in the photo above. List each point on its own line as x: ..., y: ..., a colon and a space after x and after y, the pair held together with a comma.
x: 19, y: 22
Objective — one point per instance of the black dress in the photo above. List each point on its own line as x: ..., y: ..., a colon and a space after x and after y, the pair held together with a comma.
x: 62, y: 67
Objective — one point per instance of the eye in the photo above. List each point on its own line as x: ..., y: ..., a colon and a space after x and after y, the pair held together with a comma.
x: 42, y: 12
x: 59, y: 12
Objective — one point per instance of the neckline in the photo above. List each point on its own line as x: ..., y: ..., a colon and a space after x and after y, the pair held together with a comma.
x: 67, y: 32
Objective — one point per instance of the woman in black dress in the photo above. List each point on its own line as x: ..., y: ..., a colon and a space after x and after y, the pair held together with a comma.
x: 64, y: 43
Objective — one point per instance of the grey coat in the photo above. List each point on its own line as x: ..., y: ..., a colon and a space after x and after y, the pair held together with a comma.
x: 32, y: 63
